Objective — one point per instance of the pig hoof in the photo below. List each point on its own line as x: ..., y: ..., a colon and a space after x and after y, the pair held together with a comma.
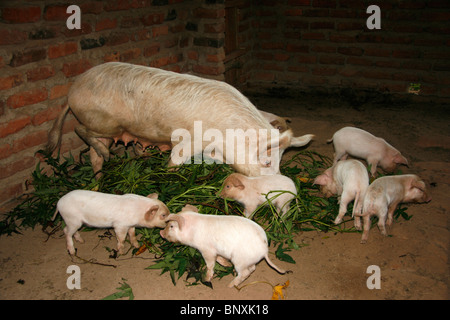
x: 363, y: 241
x: 337, y: 221
x: 208, y: 284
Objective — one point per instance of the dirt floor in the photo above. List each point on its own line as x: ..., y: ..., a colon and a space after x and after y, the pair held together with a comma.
x: 413, y: 260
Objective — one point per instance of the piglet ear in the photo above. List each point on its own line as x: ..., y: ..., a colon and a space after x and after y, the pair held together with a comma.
x: 177, y: 218
x: 150, y: 214
x: 153, y: 196
x: 323, y: 179
x: 237, y: 183
x: 189, y: 207
x: 419, y: 184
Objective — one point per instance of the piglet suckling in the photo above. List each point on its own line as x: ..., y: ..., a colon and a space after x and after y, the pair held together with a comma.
x: 385, y: 194
x: 349, y: 180
x: 220, y: 238
x: 101, y: 210
x: 250, y: 191
x: 362, y: 144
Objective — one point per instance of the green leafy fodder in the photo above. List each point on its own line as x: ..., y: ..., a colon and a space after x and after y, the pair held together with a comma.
x: 195, y: 184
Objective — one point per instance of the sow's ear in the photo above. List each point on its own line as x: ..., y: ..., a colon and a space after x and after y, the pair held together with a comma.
x: 153, y: 196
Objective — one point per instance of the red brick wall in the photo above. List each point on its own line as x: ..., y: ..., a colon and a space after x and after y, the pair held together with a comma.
x: 40, y: 58
x: 295, y: 43
x: 325, y: 43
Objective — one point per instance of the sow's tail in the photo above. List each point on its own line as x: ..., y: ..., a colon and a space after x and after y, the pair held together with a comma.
x: 54, y: 135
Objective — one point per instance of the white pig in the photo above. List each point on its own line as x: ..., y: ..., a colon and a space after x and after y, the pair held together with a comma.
x: 385, y: 194
x: 362, y: 144
x: 220, y: 238
x: 121, y: 101
x: 249, y: 191
x: 101, y: 210
x: 349, y: 179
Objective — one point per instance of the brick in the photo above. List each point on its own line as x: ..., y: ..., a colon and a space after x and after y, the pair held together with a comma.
x: 117, y: 38
x: 29, y: 141
x: 11, y: 81
x: 293, y: 12
x: 313, y: 36
x: 272, y: 45
x: 25, y: 98
x: 151, y: 50
x: 45, y: 115
x: 322, y: 25
x: 62, y: 50
x: 214, y: 27
x: 209, y: 70
x: 339, y: 37
x: 71, y: 69
x: 350, y: 51
x: 209, y: 42
x: 323, y: 48
x: 405, y: 54
x: 21, y: 58
x: 160, y: 31
x: 281, y: 57
x: 59, y: 91
x: 94, y: 7
x: 40, y: 73
x: 5, y: 151
x: 115, y: 5
x: 193, y: 55
x: 163, y: 61
x: 332, y: 59
x: 402, y: 76
x: 324, y: 71
x: 10, y: 169
x: 153, y: 18
x: 347, y: 26
x: 436, y: 16
x: 219, y: 57
x: 359, y: 61
x: 299, y: 2
x: 377, y: 52
x: 376, y: 74
x: 106, y: 24
x: 8, y: 37
x: 21, y: 14
x: 14, y: 126
x: 56, y: 12
x: 307, y: 59
x: 206, y: 13
x: 297, y: 48
x: 324, y: 3
x: 11, y: 191
x: 130, y: 54
x: 264, y: 76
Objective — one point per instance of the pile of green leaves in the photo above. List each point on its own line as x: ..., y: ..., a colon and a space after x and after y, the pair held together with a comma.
x: 196, y: 184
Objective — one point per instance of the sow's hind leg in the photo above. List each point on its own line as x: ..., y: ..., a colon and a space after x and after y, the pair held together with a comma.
x: 92, y: 139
